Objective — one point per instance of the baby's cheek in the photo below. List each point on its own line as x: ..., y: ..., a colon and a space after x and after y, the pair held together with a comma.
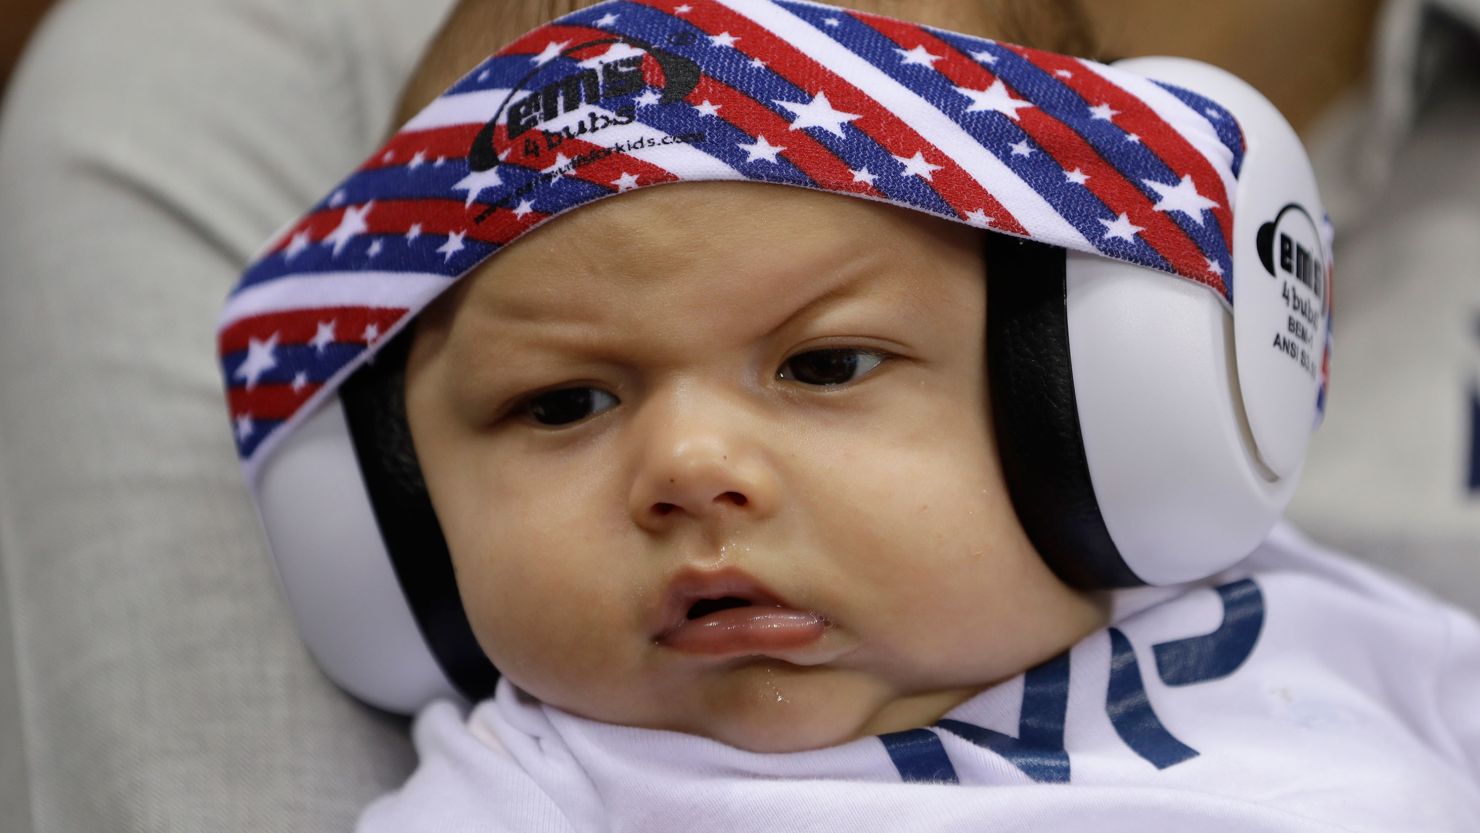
x: 538, y: 613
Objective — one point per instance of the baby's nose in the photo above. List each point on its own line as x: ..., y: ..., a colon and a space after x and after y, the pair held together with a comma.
x: 701, y: 468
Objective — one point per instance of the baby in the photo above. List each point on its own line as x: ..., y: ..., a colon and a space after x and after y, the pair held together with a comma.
x: 718, y: 475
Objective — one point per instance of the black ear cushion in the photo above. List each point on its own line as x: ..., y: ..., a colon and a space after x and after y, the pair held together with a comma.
x: 374, y: 400
x: 1036, y: 414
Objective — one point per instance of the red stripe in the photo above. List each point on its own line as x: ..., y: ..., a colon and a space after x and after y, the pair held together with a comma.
x: 269, y: 401
x: 800, y: 148
x: 534, y: 42
x: 952, y: 183
x: 300, y: 326
x: 1158, y: 136
x: 446, y: 142
x: 1067, y: 148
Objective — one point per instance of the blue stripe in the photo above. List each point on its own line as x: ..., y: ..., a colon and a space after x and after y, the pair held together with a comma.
x: 1038, y: 750
x: 919, y: 756
x: 1474, y: 480
x: 1212, y: 656
x: 1133, y: 160
x: 1222, y: 120
x: 504, y: 71
x: 764, y: 86
x: 397, y: 254
x: 1130, y: 712
x: 317, y: 365
x: 261, y: 429
x: 997, y: 133
x: 401, y: 183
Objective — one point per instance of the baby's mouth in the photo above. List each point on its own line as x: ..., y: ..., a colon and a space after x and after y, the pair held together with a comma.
x: 727, y: 613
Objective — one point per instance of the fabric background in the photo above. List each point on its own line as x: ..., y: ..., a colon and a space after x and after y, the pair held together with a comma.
x: 148, y: 148
x: 150, y: 679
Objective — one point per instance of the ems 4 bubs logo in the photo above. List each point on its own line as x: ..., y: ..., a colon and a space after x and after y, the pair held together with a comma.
x: 533, y: 118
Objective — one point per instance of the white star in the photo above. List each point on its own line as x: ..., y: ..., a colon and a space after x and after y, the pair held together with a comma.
x: 762, y: 149
x: 244, y: 427
x: 757, y: 63
x: 1063, y: 73
x: 296, y: 245
x: 438, y: 163
x: 1133, y: 138
x: 1212, y: 113
x: 550, y: 53
x: 985, y: 57
x: 979, y: 219
x: 417, y: 160
x: 615, y: 52
x: 994, y: 99
x: 707, y: 109
x: 1103, y: 112
x: 1076, y: 176
x: 648, y: 98
x: 832, y: 21
x: 818, y: 113
x: 350, y: 224
x: 477, y: 182
x: 626, y: 182
x: 919, y: 56
x: 606, y: 19
x: 453, y: 245
x: 260, y: 359
x: 1182, y: 197
x: 374, y: 248
x: 388, y: 156
x: 864, y: 175
x: 323, y: 336
x: 684, y: 9
x: 483, y: 76
x: 1121, y: 228
x: 525, y: 207
x: 1021, y: 148
x: 337, y: 199
x: 414, y: 232
x: 300, y: 381
x: 1214, y: 266
x: 558, y: 166
x: 918, y: 166
x: 723, y: 39
x: 372, y: 332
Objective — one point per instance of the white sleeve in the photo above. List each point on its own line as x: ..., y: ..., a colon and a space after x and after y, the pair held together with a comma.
x: 1458, y: 694
x: 462, y: 785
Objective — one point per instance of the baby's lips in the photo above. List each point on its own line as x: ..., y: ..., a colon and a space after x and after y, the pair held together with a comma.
x: 754, y: 629
x: 692, y: 585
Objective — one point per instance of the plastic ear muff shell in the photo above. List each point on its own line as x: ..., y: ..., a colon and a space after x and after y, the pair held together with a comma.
x: 1123, y: 420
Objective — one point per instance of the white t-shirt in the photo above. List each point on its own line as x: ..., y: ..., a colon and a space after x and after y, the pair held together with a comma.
x: 1299, y: 691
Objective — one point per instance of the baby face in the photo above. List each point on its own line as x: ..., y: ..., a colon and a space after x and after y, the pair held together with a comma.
x: 765, y: 397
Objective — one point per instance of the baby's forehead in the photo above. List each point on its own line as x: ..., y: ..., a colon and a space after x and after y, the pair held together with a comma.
x: 765, y: 245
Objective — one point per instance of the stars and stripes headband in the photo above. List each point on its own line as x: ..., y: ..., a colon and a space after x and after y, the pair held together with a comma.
x: 628, y: 94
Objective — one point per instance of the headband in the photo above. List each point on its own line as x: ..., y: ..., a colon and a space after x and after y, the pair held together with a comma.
x: 628, y: 94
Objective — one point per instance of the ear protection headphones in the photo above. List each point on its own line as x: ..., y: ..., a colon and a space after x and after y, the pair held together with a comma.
x: 1151, y: 432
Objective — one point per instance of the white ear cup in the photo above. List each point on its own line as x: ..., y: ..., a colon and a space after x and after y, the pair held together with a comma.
x: 1179, y: 487
x: 1194, y: 428
x: 335, y: 572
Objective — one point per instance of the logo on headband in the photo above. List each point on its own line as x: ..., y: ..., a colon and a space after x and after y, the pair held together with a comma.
x: 595, y: 82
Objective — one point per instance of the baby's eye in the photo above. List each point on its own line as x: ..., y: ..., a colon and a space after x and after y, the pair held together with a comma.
x: 829, y: 368
x: 567, y: 405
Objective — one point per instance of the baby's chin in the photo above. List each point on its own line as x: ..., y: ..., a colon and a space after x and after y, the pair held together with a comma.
x: 771, y: 706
